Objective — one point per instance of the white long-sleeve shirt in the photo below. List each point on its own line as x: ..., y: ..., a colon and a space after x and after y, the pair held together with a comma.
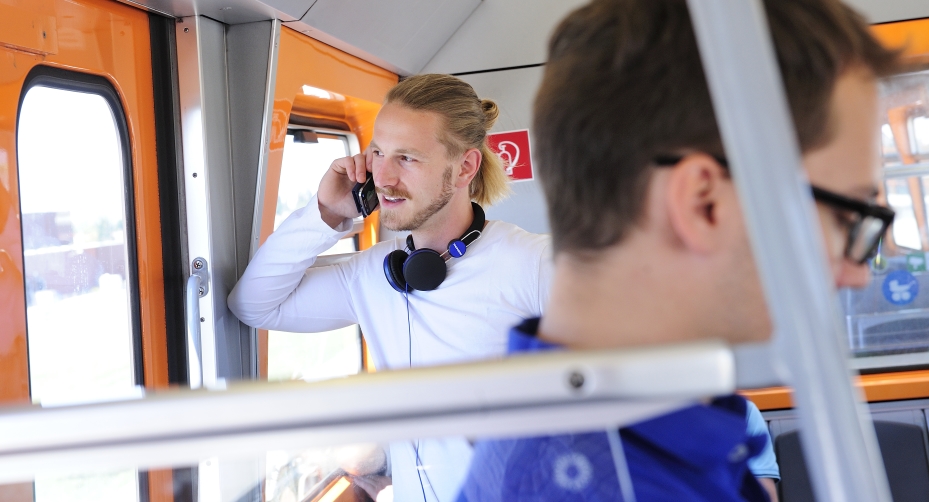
x: 503, y: 278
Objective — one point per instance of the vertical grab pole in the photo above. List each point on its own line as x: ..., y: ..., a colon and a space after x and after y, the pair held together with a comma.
x: 838, y: 438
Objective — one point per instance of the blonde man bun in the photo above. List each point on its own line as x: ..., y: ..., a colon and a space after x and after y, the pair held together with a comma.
x: 467, y: 120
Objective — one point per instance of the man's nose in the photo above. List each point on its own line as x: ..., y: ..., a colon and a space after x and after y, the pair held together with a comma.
x: 383, y: 172
x: 852, y: 275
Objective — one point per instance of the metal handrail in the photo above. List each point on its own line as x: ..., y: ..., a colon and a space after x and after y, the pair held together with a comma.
x: 319, y: 488
x: 192, y: 295
x: 547, y: 393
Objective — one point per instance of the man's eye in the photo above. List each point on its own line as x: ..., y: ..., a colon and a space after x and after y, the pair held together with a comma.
x: 377, y: 153
x: 406, y: 158
x: 845, y: 218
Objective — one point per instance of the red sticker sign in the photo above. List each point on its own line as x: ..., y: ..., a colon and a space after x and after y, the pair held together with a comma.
x: 513, y: 149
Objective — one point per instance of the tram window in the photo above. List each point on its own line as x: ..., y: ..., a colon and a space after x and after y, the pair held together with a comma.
x: 920, y: 130
x: 888, y: 148
x: 884, y: 325
x: 330, y: 354
x: 79, y: 264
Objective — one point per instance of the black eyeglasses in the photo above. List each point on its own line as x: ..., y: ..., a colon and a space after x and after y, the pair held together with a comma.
x: 866, y: 227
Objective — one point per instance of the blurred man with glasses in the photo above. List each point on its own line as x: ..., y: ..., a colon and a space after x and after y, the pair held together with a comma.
x: 650, y: 240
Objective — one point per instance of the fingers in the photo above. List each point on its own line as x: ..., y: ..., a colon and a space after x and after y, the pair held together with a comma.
x: 355, y: 167
x: 341, y: 166
x: 361, y: 169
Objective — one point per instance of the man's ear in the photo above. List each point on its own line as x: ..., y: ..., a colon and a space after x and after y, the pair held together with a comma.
x: 696, y: 186
x: 470, y: 165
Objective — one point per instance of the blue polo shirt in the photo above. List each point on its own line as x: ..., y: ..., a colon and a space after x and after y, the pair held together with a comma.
x: 697, y: 453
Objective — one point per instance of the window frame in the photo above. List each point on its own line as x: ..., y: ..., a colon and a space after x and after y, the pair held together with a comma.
x: 354, y: 148
x: 67, y: 80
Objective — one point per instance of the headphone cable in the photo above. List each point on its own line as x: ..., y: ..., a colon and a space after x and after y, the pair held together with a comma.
x: 409, y: 327
x: 419, y: 462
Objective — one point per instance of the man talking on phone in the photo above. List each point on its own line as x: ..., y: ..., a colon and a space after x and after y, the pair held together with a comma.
x: 444, y: 294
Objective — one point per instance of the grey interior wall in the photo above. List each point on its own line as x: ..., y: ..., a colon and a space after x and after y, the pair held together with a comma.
x: 230, y: 89
x: 249, y: 64
x: 247, y: 50
x: 218, y: 155
x: 514, y: 92
x: 399, y: 35
x: 506, y: 34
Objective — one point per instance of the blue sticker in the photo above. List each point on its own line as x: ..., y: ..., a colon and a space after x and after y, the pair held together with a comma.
x: 900, y: 287
x: 456, y: 248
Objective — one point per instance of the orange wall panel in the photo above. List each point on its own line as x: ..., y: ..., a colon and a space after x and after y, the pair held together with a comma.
x: 910, y: 36
x: 877, y: 387
x: 304, y: 61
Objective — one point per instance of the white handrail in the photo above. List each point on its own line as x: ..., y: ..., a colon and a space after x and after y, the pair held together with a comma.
x: 195, y: 360
x: 526, y: 395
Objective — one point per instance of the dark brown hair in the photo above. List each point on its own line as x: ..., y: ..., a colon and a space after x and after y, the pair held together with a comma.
x: 624, y: 84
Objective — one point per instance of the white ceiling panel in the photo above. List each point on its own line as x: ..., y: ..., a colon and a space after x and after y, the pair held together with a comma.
x: 400, y: 35
x: 502, y: 34
x: 883, y: 11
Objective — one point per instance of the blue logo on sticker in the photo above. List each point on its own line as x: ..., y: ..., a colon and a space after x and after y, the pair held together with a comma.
x: 900, y: 287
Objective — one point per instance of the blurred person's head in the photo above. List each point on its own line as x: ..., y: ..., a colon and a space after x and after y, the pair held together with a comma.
x: 623, y: 89
x: 430, y: 151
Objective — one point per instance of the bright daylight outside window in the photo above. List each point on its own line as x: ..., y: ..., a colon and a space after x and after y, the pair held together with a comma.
x: 313, y: 356
x: 79, y: 322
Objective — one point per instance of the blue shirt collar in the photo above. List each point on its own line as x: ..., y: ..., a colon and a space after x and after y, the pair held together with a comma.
x: 523, y: 338
x: 714, y: 432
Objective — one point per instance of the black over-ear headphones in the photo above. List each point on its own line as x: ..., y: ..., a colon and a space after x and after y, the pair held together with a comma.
x: 424, y: 269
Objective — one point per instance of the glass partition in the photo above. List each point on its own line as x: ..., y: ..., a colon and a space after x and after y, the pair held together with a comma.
x: 888, y: 322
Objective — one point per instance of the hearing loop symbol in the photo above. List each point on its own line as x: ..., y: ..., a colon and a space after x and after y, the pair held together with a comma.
x: 509, y: 154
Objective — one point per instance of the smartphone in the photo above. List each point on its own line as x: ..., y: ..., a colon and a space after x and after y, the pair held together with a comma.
x: 365, y: 196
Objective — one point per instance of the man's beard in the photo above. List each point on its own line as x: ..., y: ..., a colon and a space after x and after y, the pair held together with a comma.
x: 391, y: 220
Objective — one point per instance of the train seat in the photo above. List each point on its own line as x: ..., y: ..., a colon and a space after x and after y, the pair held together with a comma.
x: 902, y: 448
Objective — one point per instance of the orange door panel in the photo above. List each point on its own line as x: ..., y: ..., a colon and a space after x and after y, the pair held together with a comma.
x: 303, y: 61
x: 111, y: 40
x: 107, y: 39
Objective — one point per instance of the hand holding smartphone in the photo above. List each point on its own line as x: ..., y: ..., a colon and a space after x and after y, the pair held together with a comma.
x: 365, y: 196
